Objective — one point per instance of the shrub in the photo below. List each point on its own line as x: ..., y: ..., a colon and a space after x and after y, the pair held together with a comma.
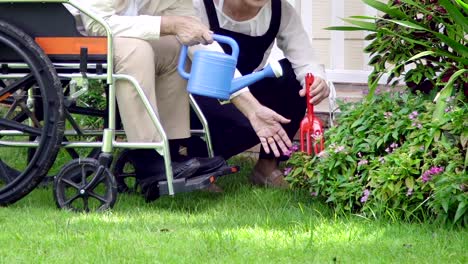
x: 386, y: 157
x: 421, y: 42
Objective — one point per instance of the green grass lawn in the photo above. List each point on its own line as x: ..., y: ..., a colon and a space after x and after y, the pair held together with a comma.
x: 245, y: 224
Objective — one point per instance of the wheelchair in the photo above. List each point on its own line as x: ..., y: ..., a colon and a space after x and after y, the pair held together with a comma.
x: 46, y: 67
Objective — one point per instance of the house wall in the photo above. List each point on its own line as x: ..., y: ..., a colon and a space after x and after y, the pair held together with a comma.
x: 340, y: 52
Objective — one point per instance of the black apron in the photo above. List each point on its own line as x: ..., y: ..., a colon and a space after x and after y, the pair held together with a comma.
x: 252, y: 49
x: 231, y: 132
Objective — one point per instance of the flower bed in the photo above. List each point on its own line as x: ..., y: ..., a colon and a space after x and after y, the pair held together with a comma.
x: 388, y: 157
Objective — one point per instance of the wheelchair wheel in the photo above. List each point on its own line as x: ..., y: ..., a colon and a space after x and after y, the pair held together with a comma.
x: 124, y: 173
x: 31, y: 114
x: 85, y: 185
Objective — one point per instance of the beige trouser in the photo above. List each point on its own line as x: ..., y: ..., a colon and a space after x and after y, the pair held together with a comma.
x: 154, y: 65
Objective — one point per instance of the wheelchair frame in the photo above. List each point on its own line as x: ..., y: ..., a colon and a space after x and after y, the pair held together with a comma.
x: 110, y: 132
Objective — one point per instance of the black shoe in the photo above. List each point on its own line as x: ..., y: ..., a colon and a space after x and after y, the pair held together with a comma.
x: 208, y: 165
x: 148, y: 163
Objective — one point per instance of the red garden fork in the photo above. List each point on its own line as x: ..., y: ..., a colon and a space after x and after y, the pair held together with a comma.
x: 311, y: 126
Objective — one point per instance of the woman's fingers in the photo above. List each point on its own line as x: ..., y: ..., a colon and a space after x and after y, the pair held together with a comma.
x: 264, y: 143
x: 273, y: 147
x: 319, y: 91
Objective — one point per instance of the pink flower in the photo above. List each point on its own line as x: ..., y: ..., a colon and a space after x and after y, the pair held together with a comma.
x: 313, y: 194
x: 381, y: 160
x: 339, y: 149
x: 413, y: 115
x: 388, y: 115
x: 409, y: 192
x: 287, y: 171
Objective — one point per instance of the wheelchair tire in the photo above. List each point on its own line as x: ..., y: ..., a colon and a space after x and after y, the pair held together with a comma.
x: 84, y: 185
x: 41, y: 85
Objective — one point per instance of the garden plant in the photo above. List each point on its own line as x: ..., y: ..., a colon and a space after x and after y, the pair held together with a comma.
x: 402, y: 153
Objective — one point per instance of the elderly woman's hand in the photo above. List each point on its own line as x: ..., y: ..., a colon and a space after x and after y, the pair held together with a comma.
x: 319, y: 91
x: 188, y: 30
x: 267, y: 125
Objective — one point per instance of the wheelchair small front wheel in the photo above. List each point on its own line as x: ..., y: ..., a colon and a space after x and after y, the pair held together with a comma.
x: 84, y: 185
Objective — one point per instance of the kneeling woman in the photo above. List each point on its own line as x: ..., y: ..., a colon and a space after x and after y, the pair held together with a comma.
x: 255, y: 25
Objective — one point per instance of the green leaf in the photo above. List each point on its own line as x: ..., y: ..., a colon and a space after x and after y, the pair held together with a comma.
x: 460, y: 211
x: 408, y: 24
x: 456, y: 46
x: 441, y: 98
x: 454, y: 13
x: 345, y: 28
x: 394, y: 12
x: 364, y: 17
x: 409, y: 182
x: 367, y: 25
x: 464, y: 5
x: 445, y: 205
x: 420, y: 55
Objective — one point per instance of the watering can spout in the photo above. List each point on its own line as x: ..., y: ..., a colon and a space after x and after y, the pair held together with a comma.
x: 271, y: 70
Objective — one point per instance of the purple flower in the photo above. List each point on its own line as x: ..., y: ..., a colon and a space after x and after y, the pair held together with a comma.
x: 362, y: 162
x: 413, y: 115
x: 394, y: 145
x: 359, y: 154
x: 448, y: 109
x: 314, y: 194
x: 409, y: 192
x: 381, y: 159
x: 388, y: 115
x: 288, y: 153
x: 419, y: 126
x: 295, y: 147
x: 427, y: 175
x: 365, y: 195
x: 388, y: 150
x: 287, y: 171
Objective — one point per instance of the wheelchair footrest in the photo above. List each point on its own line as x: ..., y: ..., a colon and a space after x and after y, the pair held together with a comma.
x: 197, y: 182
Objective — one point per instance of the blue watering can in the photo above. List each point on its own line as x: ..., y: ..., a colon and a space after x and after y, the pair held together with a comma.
x: 212, y: 72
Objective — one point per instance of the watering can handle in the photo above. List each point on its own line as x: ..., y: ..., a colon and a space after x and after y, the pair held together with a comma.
x: 219, y: 38
x: 309, y: 80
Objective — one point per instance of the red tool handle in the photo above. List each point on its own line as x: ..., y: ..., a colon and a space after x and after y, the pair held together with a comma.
x: 309, y: 80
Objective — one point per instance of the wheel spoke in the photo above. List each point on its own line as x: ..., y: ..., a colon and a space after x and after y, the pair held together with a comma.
x: 85, y: 204
x: 72, y: 184
x: 69, y: 201
x: 127, y: 175
x: 11, y: 111
x: 25, y: 109
x: 83, y: 176
x: 98, y: 178
x: 26, y: 81
x: 4, y: 123
x: 98, y: 197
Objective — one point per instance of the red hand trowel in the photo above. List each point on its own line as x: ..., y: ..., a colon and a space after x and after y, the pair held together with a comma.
x: 311, y: 126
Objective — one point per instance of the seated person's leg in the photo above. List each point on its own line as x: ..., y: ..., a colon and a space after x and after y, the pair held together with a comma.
x: 156, y: 74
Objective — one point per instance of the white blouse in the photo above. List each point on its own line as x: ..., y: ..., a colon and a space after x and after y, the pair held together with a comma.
x: 292, y: 38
